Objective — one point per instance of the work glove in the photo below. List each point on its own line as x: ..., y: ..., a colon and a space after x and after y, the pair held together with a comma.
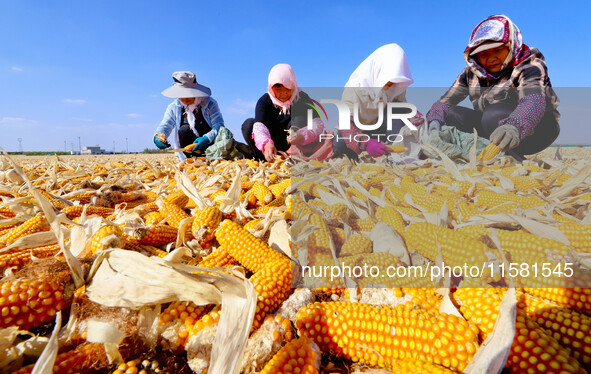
x: 159, y: 144
x: 375, y: 148
x: 506, y: 137
x: 200, y: 144
x: 434, y: 125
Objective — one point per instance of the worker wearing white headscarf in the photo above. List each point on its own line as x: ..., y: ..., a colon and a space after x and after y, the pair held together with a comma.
x: 382, y: 77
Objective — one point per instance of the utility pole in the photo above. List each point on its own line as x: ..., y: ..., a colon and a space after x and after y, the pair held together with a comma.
x: 79, y: 146
x: 126, y: 146
x: 65, y: 147
x: 20, y: 145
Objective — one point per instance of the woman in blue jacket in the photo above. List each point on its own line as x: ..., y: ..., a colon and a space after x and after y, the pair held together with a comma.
x: 194, y: 118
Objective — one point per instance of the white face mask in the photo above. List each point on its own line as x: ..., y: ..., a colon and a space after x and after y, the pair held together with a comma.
x: 391, y: 92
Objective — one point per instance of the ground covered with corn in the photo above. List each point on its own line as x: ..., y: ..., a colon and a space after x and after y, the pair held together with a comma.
x: 140, y: 264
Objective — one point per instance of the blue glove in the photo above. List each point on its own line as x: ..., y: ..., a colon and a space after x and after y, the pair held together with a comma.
x: 159, y: 144
x: 201, y: 144
x: 434, y: 125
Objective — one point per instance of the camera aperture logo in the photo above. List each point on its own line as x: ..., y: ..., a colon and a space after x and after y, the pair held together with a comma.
x: 392, y: 112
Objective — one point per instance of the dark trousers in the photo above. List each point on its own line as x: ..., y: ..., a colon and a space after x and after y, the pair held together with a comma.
x: 247, y: 134
x: 466, y: 119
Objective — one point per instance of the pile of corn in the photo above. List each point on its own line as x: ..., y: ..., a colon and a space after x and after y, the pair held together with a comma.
x: 482, y: 214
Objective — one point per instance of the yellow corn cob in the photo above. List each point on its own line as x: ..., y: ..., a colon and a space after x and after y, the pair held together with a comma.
x: 84, y: 359
x: 338, y: 212
x: 380, y: 261
x: 490, y: 199
x: 206, y: 222
x: 278, y: 189
x: 246, y: 184
x: 570, y: 328
x: 178, y: 198
x: 409, y: 211
x: 262, y: 193
x: 397, y: 148
x: 272, y: 271
x: 251, y: 252
x: 278, y: 202
x: 525, y: 183
x: 6, y: 212
x: 419, y: 367
x: 218, y: 258
x: 252, y: 164
x: 83, y: 198
x: 352, y: 191
x: 355, y: 245
x: 533, y: 351
x: 365, y: 224
x: 475, y: 231
x: 107, y: 236
x: 18, y: 258
x: 158, y: 235
x: 54, y: 201
x: 154, y: 218
x: 380, y: 336
x: 216, y: 196
x: 174, y: 214
x: 27, y: 303
x: 391, y: 216
x: 134, y: 244
x: 528, y: 248
x: 319, y: 241
x: 457, y: 248
x: 76, y: 211
x: 426, y: 298
x: 578, y: 299
x: 489, y: 152
x: 250, y: 225
x: 297, y: 356
x: 578, y: 235
x: 31, y: 226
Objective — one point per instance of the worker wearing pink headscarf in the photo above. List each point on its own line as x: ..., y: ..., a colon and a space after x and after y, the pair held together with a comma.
x: 267, y: 132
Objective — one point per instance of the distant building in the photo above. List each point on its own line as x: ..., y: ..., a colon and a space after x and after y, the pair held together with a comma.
x: 96, y: 150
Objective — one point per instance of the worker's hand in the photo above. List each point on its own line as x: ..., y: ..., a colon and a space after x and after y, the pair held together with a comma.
x: 506, y: 137
x: 270, y: 151
x: 202, y: 144
x: 418, y: 119
x: 375, y: 148
x: 160, y: 144
x: 434, y: 125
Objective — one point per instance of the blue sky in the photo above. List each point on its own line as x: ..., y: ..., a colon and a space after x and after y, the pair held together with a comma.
x: 94, y: 70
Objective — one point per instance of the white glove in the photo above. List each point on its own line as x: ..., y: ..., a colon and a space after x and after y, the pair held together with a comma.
x: 506, y: 137
x: 434, y: 125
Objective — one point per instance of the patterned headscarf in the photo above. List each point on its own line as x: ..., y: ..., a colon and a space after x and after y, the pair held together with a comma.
x: 284, y: 75
x: 497, y: 28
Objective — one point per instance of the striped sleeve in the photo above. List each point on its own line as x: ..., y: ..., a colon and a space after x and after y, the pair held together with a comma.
x: 527, y: 114
x: 454, y: 95
x: 261, y: 135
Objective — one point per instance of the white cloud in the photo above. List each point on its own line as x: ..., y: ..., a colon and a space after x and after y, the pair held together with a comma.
x: 11, y: 119
x: 16, y: 122
x: 80, y: 119
x: 16, y: 68
x: 134, y: 115
x: 74, y: 101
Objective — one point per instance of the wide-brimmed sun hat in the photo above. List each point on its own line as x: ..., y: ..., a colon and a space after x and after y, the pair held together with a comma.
x: 185, y: 85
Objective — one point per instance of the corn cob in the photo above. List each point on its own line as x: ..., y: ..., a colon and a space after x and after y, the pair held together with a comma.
x: 419, y: 367
x: 262, y: 193
x: 252, y: 224
x: 218, y: 258
x: 134, y: 244
x: 278, y: 189
x: 174, y: 214
x: 297, y: 356
x: 58, y: 204
x: 6, y: 212
x: 528, y: 248
x: 318, y: 204
x: 158, y: 235
x: 76, y: 211
x: 525, y: 183
x: 578, y: 235
x: 319, y: 241
x: 154, y: 218
x: 277, y: 203
x: 457, y: 248
x: 364, y: 224
x: 17, y: 259
x: 391, y: 216
x: 570, y: 328
x: 338, y: 236
x: 272, y: 271
x: 379, y: 336
x: 532, y: 351
x: 489, y: 152
x: 355, y: 245
x: 107, y: 236
x: 205, y: 223
x: 578, y: 299
x: 85, y: 359
x: 138, y: 366
x: 217, y: 196
x: 409, y: 211
x: 27, y: 303
x: 31, y: 226
x: 352, y: 191
x: 490, y: 199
